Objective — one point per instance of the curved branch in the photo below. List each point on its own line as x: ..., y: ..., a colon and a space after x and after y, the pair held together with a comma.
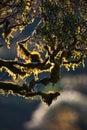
x: 12, y: 65
x: 46, y: 97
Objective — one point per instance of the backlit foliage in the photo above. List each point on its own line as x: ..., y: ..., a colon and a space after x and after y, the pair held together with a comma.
x: 59, y: 39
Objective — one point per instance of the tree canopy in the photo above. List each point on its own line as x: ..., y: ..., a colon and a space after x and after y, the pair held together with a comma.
x: 59, y: 39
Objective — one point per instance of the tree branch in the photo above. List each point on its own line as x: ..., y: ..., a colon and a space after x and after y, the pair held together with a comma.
x: 13, y: 66
x: 23, y: 91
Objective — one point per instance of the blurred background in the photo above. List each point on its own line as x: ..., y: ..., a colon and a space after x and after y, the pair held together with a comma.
x: 68, y: 112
